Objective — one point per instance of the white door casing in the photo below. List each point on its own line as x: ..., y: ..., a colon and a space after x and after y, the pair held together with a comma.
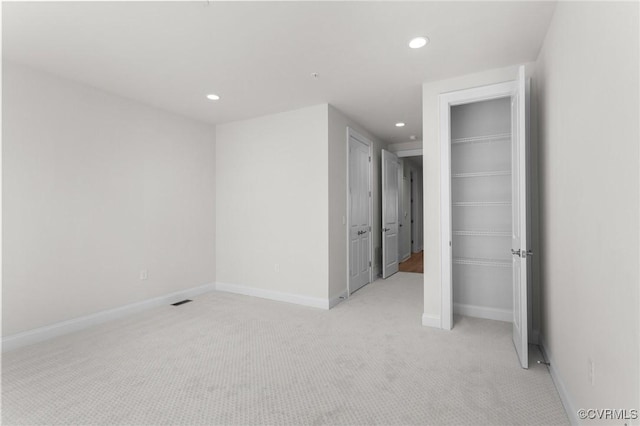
x: 359, y: 211
x: 390, y: 208
x: 519, y: 219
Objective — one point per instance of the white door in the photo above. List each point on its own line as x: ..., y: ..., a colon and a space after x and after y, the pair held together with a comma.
x: 519, y: 244
x: 359, y: 214
x: 389, y: 213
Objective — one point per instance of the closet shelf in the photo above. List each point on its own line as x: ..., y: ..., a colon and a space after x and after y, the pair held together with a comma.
x: 481, y: 174
x: 483, y: 233
x: 501, y: 137
x: 481, y: 203
x: 497, y: 263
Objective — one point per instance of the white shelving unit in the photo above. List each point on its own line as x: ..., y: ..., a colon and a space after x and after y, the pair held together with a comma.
x: 481, y: 204
x: 501, y: 137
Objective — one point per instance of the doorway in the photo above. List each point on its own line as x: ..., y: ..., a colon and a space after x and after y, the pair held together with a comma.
x: 484, y: 210
x: 411, y: 211
x: 402, y: 210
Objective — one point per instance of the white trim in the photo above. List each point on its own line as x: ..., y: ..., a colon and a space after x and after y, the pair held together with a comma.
x: 483, y: 312
x: 314, y: 302
x: 40, y: 334
x: 569, y: 407
x: 408, y: 152
x: 431, y: 321
x: 447, y: 100
x: 335, y: 300
x: 360, y: 138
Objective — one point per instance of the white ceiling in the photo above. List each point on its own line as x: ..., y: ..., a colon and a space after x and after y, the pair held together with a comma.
x: 259, y: 56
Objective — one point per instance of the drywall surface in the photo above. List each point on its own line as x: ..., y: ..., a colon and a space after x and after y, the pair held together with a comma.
x: 96, y: 189
x: 272, y: 203
x: 338, y: 267
x: 405, y: 146
x: 587, y: 82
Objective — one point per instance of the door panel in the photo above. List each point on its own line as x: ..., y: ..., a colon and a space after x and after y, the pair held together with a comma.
x: 359, y: 214
x: 519, y: 243
x: 389, y: 214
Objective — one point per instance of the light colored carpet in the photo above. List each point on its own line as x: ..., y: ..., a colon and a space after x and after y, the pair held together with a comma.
x: 231, y: 359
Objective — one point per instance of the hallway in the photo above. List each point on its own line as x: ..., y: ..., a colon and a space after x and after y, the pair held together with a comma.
x: 414, y: 264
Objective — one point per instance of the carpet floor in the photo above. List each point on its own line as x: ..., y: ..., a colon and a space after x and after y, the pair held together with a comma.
x: 231, y: 359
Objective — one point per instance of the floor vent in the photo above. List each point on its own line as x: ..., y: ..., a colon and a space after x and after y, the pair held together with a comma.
x: 181, y: 302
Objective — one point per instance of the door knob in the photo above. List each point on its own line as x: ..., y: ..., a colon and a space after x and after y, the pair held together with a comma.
x: 386, y: 229
x: 515, y: 252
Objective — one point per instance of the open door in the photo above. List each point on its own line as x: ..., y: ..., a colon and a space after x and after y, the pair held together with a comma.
x: 519, y: 241
x: 389, y: 214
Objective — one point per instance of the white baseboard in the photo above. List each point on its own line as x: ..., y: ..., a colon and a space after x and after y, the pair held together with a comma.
x: 314, y: 302
x: 483, y: 312
x: 40, y: 334
x: 431, y: 321
x: 569, y: 407
x: 335, y: 300
x: 406, y: 257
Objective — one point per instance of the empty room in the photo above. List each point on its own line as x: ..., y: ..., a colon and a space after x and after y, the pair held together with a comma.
x: 320, y: 212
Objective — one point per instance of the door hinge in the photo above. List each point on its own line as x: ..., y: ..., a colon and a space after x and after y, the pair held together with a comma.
x: 369, y: 263
x: 369, y: 158
x: 369, y: 229
x: 369, y: 193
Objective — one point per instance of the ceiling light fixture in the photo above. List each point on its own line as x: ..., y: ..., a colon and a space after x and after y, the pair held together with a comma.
x: 400, y: 124
x: 418, y: 42
x: 213, y: 97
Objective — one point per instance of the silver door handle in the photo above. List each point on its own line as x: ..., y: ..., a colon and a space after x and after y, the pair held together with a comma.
x: 515, y: 252
x: 386, y: 229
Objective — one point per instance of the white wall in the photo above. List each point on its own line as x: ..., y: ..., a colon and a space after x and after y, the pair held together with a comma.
x: 431, y: 177
x: 587, y: 75
x: 405, y: 146
x: 272, y: 196
x: 337, y: 170
x: 96, y: 188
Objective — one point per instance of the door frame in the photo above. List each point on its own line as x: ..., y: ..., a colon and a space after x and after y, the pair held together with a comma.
x: 446, y: 101
x: 351, y: 133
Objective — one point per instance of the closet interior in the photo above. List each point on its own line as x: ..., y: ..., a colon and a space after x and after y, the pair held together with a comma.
x: 481, y: 209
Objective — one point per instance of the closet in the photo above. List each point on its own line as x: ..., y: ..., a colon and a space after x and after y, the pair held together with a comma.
x: 484, y: 209
x: 481, y: 221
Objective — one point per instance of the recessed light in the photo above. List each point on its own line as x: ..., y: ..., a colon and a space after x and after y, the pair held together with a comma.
x: 418, y: 42
x: 400, y: 124
x: 213, y: 97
